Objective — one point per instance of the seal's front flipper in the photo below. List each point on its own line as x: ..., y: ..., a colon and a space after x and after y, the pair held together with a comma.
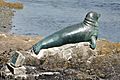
x: 93, y: 42
x: 37, y: 47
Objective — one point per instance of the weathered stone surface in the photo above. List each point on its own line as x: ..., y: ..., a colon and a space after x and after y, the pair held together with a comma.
x: 16, y: 70
x: 99, y: 64
x: 65, y: 51
x: 85, y: 63
x: 66, y: 56
x: 17, y: 59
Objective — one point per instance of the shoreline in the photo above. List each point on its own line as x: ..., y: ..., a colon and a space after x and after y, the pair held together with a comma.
x: 7, y: 11
x: 6, y: 15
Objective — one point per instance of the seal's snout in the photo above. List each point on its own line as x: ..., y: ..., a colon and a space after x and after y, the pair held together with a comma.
x: 92, y: 16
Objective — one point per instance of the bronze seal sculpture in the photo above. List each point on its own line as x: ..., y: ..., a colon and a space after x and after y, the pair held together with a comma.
x: 87, y: 31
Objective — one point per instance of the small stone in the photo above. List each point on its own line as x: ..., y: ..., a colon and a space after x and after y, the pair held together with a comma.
x: 102, y: 75
x: 16, y: 70
x: 17, y: 59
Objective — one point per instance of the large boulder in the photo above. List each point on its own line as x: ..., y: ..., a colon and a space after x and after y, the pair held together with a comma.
x: 66, y: 56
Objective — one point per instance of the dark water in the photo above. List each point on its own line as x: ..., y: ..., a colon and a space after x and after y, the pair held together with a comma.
x: 44, y: 17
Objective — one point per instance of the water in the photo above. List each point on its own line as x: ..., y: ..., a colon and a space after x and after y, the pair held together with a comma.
x: 44, y: 17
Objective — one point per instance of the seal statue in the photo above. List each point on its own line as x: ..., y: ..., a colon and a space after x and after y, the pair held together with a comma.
x: 87, y: 31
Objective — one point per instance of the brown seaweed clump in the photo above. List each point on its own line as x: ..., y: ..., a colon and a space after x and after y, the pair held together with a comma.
x: 11, y: 5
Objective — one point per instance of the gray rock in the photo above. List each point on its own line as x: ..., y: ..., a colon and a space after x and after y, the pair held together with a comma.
x: 16, y: 70
x: 65, y: 56
x: 17, y: 59
x: 67, y: 51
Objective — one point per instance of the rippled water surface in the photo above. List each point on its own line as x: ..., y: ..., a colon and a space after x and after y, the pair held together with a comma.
x: 44, y: 17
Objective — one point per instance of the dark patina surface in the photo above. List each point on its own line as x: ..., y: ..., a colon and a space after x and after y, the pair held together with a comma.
x: 87, y: 31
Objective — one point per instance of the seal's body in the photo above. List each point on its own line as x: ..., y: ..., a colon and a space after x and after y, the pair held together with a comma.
x: 87, y: 31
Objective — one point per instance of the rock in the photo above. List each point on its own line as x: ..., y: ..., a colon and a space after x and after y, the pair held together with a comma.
x: 17, y: 59
x: 3, y: 36
x: 65, y: 51
x: 101, y: 63
x: 66, y: 56
x: 72, y: 61
x: 16, y: 70
x: 15, y: 64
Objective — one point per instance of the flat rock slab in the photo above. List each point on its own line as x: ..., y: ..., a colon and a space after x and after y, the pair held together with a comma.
x: 17, y: 59
x: 65, y: 51
x: 16, y: 70
x: 61, y: 57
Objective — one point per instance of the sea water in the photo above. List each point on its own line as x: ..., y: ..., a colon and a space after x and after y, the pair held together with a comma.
x: 44, y: 17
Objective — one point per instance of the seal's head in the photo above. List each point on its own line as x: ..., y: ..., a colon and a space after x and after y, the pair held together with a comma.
x: 92, y: 18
